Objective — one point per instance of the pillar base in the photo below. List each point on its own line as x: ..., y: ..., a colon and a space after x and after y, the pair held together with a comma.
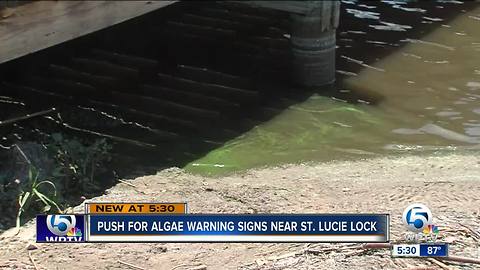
x: 313, y: 44
x: 313, y: 62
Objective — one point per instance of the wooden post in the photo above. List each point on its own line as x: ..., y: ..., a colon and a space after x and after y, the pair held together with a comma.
x: 313, y: 43
x: 312, y: 38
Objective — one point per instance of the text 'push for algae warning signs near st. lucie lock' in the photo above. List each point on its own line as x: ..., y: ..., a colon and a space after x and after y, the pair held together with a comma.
x: 170, y: 222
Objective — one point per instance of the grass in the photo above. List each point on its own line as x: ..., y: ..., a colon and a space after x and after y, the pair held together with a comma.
x: 33, y: 193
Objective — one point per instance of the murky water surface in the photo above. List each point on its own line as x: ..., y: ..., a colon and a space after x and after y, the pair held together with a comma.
x: 418, y: 66
x: 408, y: 81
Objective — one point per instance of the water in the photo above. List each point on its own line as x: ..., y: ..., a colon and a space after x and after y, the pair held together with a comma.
x: 408, y: 81
x: 418, y: 65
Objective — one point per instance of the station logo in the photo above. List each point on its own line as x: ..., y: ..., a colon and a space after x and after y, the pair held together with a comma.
x: 418, y: 219
x: 60, y: 228
x: 431, y: 229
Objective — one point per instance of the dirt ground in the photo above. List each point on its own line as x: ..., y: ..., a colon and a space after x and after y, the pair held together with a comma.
x: 449, y: 185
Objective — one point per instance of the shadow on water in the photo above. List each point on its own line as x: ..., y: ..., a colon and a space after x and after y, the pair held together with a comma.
x: 164, y: 89
x: 169, y: 87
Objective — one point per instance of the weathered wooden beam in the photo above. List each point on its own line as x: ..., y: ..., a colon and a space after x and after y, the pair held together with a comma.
x: 299, y: 7
x: 40, y: 24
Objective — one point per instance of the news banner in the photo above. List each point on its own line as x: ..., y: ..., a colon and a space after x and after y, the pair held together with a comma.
x: 171, y: 222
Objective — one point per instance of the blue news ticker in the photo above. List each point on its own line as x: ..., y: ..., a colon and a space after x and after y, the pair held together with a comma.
x: 371, y: 227
x: 434, y: 250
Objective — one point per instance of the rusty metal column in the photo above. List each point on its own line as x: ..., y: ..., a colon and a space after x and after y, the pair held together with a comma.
x: 313, y: 43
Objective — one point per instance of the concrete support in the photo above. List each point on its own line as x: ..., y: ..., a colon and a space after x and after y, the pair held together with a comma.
x: 313, y: 44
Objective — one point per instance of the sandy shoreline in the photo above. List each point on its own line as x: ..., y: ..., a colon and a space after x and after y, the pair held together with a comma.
x: 449, y: 185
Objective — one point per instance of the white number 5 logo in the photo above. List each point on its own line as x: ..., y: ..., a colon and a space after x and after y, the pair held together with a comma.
x: 60, y: 224
x: 417, y: 216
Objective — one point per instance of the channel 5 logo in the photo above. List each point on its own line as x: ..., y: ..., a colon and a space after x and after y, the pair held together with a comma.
x: 417, y: 217
x: 61, y: 224
x: 60, y: 228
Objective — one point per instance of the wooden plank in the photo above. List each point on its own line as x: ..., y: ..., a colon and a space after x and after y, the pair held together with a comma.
x: 299, y: 7
x: 41, y: 24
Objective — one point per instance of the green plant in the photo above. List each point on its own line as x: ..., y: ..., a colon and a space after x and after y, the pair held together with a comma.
x: 33, y: 190
x: 77, y: 163
x: 70, y: 167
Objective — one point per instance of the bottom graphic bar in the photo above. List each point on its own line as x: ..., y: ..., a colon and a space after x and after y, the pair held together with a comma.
x: 238, y: 228
x: 234, y: 238
x: 214, y: 228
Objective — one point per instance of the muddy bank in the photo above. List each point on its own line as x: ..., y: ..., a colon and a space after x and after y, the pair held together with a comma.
x: 447, y: 184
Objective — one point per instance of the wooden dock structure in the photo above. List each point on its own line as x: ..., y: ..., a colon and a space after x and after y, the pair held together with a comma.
x: 37, y: 25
